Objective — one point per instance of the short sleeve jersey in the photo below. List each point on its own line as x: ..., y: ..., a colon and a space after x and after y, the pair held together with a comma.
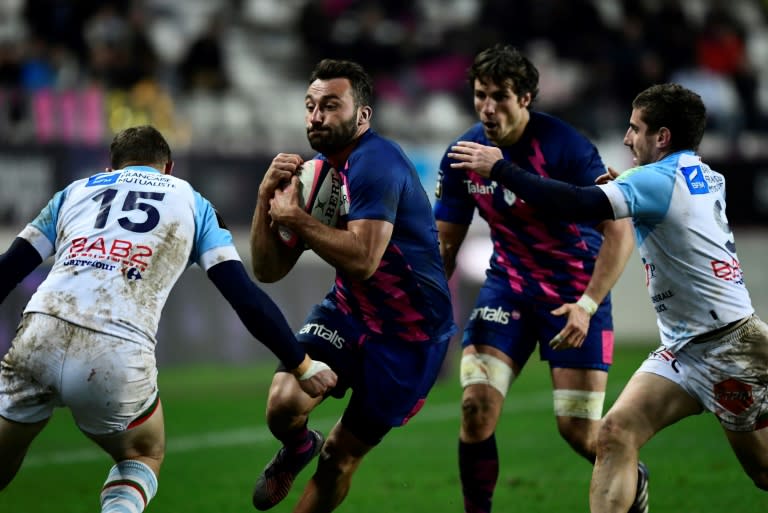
x: 407, y: 297
x: 120, y: 241
x: 692, y: 270
x: 534, y: 257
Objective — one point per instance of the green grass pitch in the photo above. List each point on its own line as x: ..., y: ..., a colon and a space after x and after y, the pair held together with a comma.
x: 218, y: 443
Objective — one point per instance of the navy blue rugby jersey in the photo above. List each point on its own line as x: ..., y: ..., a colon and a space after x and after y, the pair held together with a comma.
x: 407, y: 297
x: 535, y: 256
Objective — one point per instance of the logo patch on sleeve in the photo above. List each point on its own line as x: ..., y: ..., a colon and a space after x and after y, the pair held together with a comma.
x: 694, y: 177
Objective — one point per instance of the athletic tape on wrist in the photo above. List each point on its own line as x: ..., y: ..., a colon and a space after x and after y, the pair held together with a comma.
x: 314, y: 368
x: 588, y: 304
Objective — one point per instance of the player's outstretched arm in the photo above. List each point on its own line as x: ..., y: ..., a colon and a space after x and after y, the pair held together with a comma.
x: 551, y: 198
x: 267, y: 323
x: 15, y: 264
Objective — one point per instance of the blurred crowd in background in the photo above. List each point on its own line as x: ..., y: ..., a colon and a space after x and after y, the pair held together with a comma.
x: 224, y: 80
x: 229, y: 75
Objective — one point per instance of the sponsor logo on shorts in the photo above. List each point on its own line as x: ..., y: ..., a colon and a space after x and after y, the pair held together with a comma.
x: 321, y: 331
x: 489, y: 314
x: 733, y: 395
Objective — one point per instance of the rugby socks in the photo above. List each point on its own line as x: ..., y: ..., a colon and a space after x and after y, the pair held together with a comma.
x: 478, y: 471
x: 299, y: 444
x: 129, y: 487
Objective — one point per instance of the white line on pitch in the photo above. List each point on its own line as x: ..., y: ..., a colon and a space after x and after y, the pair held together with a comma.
x: 245, y: 436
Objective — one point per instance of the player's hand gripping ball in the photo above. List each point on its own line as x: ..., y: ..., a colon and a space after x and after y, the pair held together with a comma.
x: 319, y: 196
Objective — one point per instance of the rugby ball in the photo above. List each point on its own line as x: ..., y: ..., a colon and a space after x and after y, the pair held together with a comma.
x: 319, y: 195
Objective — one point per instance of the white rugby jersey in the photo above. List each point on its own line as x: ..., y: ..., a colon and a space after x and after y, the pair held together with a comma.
x: 121, y: 239
x: 692, y: 271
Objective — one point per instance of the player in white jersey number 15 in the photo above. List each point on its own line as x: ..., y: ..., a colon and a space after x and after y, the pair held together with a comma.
x: 120, y: 241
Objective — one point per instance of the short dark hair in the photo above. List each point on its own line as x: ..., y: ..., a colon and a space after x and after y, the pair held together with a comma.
x: 361, y: 82
x: 502, y: 64
x: 679, y: 109
x: 139, y: 145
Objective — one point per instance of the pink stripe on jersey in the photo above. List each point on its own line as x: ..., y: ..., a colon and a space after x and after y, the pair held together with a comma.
x: 519, y: 250
x: 537, y: 160
x: 317, y: 169
x: 372, y: 321
x: 342, y: 302
x: 515, y: 279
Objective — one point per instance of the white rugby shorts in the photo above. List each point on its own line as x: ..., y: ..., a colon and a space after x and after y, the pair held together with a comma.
x: 105, y: 381
x: 727, y: 374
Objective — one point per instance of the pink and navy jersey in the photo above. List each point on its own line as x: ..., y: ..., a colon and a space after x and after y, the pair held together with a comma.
x: 534, y: 255
x: 407, y: 298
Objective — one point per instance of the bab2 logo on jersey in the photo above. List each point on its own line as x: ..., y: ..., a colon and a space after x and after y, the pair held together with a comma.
x: 695, y: 180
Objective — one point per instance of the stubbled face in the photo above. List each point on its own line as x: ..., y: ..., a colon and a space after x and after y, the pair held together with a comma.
x: 504, y: 114
x: 640, y: 141
x: 331, y: 115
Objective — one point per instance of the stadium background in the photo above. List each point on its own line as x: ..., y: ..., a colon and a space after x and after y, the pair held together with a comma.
x: 224, y: 81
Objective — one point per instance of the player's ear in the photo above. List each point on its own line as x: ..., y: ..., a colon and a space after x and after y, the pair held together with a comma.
x: 663, y: 137
x: 364, y: 115
x: 168, y: 168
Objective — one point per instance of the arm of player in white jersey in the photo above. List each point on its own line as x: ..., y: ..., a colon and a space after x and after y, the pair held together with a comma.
x: 554, y: 198
x: 16, y: 263
x: 267, y: 323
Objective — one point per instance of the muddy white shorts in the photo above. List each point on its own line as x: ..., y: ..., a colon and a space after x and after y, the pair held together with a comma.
x: 726, y: 373
x: 106, y: 382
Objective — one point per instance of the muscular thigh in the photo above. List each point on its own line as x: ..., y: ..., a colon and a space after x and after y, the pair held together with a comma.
x: 727, y: 376
x: 649, y: 403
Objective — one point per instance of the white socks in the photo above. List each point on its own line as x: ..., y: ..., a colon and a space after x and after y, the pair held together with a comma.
x: 129, y: 487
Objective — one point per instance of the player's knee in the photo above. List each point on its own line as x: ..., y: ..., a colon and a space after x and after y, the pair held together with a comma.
x: 613, y: 433
x: 335, y: 461
x: 478, y: 416
x: 580, y: 434
x: 283, y: 403
x: 485, y: 369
